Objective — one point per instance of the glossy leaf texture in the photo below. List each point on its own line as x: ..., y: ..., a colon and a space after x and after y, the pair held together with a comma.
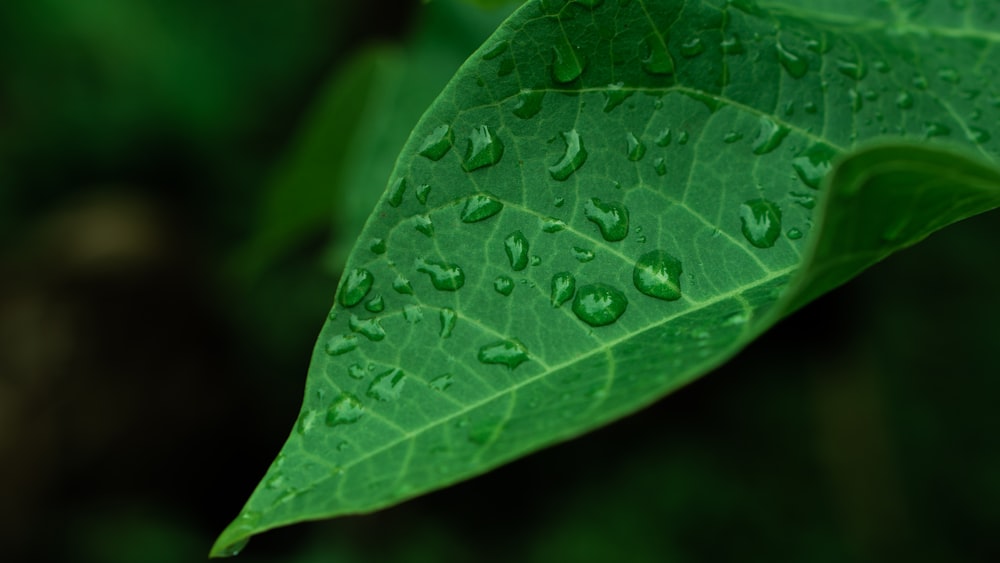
x: 611, y: 198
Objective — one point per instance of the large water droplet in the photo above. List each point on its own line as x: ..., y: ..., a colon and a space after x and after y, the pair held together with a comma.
x: 479, y: 207
x: 369, y: 328
x: 341, y: 344
x: 794, y: 64
x: 387, y: 385
x: 761, y: 220
x: 813, y: 164
x: 484, y: 149
x: 444, y: 276
x: 448, y: 319
x: 635, y: 149
x: 402, y: 285
x: 345, y: 409
x: 572, y: 159
x: 423, y: 224
x: 356, y: 285
x: 529, y: 103
x: 658, y: 274
x: 438, y: 142
x: 610, y: 217
x: 599, y: 304
x: 396, y: 191
x: 503, y: 285
x: 615, y: 94
x: 563, y: 288
x: 567, y: 63
x: 658, y: 59
x: 516, y: 247
x: 770, y: 136
x: 510, y: 353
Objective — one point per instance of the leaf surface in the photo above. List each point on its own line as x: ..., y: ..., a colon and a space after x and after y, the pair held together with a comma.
x: 607, y: 201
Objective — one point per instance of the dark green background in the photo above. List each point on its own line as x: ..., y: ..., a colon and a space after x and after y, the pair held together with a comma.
x: 148, y: 375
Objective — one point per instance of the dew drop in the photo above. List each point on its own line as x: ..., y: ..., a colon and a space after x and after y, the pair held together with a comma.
x: 761, y: 220
x: 516, y: 247
x: 731, y: 137
x: 582, y: 255
x: 496, y: 50
x: 567, y: 64
x: 387, y: 385
x: 692, y: 47
x: 529, y: 103
x: 510, y: 353
x: 413, y: 314
x: 813, y: 164
x: 660, y: 165
x: 441, y: 382
x: 732, y: 46
x: 369, y: 328
x: 978, y: 135
x: 356, y: 285
x: 852, y: 69
x: 356, y: 371
x: 345, y: 409
x: 503, y: 285
x: 559, y: 201
x: 658, y: 59
x: 936, y: 129
x: 658, y: 274
x: 635, y: 149
x: 599, y: 304
x: 444, y: 276
x: 484, y: 149
x: 552, y: 225
x: 341, y: 344
x: 448, y: 318
x: 563, y: 287
x: 904, y: 100
x: 438, y: 142
x: 377, y: 246
x: 423, y: 224
x: 402, y: 285
x: 479, y: 207
x: 683, y: 137
x: 423, y: 191
x: 615, y: 94
x: 949, y: 75
x: 663, y: 139
x: 610, y: 217
x: 536, y: 259
x: 794, y: 234
x: 572, y: 159
x: 769, y: 137
x: 396, y: 191
x: 794, y: 64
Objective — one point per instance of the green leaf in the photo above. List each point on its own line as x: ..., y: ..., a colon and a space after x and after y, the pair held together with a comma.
x: 602, y: 275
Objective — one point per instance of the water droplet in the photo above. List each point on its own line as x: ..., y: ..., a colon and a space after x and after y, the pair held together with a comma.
x: 904, y: 100
x: 506, y: 66
x: 582, y: 254
x: 516, y: 247
x: 423, y: 190
x: 529, y: 103
x: 552, y: 225
x: 658, y: 59
x: 852, y: 69
x: 448, y: 319
x: 402, y: 285
x: 599, y: 304
x: 536, y: 259
x: 423, y: 224
x: 563, y: 287
x: 369, y: 328
x: 589, y: 3
x: 683, y: 137
x: 503, y: 285
x: 341, y: 344
x: 811, y: 108
x: 396, y: 191
x: 615, y: 94
x: 813, y: 164
x: 770, y: 136
x: 856, y: 101
x: 377, y: 246
x: 732, y: 46
x: 356, y: 285
x: 692, y: 47
x: 484, y: 149
x: 496, y: 50
x: 949, y: 75
x: 881, y: 66
x: 658, y: 274
x: 387, y: 385
x: 559, y: 201
x: 307, y: 420
x: 794, y: 234
x: 479, y: 207
x: 794, y: 64
x: 444, y: 276
x: 567, y: 64
x: 978, y: 135
x: 731, y: 137
x: 611, y: 218
x: 660, y: 165
x: 663, y: 139
x: 807, y: 201
x: 413, y: 314
x: 345, y: 409
x: 510, y: 353
x: 332, y: 315
x: 920, y: 82
x: 438, y: 142
x: 441, y: 382
x: 635, y: 149
x: 572, y: 159
x: 356, y: 371
x: 761, y: 220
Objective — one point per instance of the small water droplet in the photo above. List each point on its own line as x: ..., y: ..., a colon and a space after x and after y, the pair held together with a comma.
x: 635, y: 149
x: 572, y: 159
x: 978, y: 135
x: 658, y: 274
x: 423, y: 191
x: 479, y: 207
x: 510, y: 353
x: 795, y: 65
x: 563, y: 287
x: 529, y: 103
x: 731, y: 137
x: 516, y: 247
x: 375, y: 304
x: 610, y: 217
x: 377, y: 246
x: 341, y: 344
x: 660, y: 165
x: 663, y: 139
x: 582, y: 254
x: 567, y: 64
x: 484, y: 149
x: 949, y: 75
x: 345, y: 409
x: 559, y: 201
x: 387, y: 385
x: 552, y: 225
x: 920, y: 82
x: 692, y: 47
x: 732, y: 45
x: 448, y: 318
x: 441, y: 382
x: 658, y: 59
x: 506, y: 66
x: 444, y: 276
x: 813, y: 164
x: 615, y: 94
x: 794, y: 234
x: 761, y: 222
x: 356, y: 371
x: 438, y: 142
x: 396, y: 191
x: 936, y: 129
x: 811, y: 108
x: 307, y: 420
x: 599, y: 304
x: 856, y: 100
x: 496, y: 50
x: 356, y: 285
x: 769, y: 137
x: 536, y: 259
x: 683, y: 137
x: 413, y: 314
x: 423, y: 224
x: 852, y: 69
x: 503, y: 285
x: 402, y: 285
x: 904, y: 100
x: 369, y: 328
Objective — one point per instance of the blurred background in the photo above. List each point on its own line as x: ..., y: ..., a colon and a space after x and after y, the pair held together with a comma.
x: 179, y: 183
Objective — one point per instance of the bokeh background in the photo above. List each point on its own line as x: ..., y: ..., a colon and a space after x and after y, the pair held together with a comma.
x: 179, y: 184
